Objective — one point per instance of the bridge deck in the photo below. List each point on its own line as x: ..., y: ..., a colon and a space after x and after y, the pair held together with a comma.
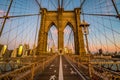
x: 60, y: 69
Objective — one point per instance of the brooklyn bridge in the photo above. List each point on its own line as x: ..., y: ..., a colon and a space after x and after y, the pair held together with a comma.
x: 59, y: 39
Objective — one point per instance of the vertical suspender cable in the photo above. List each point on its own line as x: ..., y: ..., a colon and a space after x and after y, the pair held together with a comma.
x: 59, y: 4
x: 52, y: 37
x: 62, y: 4
x: 116, y: 9
x: 113, y: 35
x: 36, y: 30
x: 6, y: 16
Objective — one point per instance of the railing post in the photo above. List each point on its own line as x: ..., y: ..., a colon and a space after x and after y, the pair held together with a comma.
x: 90, y: 68
x: 43, y: 63
x: 33, y: 71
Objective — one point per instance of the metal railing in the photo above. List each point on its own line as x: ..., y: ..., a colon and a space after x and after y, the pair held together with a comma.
x: 94, y: 68
x: 27, y: 71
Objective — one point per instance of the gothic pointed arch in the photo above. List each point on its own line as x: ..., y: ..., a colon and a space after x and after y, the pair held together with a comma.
x: 71, y: 25
x: 51, y: 24
x: 69, y: 40
x: 60, y: 20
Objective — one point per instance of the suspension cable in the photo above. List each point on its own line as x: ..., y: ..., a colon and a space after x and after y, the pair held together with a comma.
x: 111, y: 15
x: 5, y: 18
x: 18, y: 34
x: 53, y: 3
x: 118, y: 15
x: 62, y: 3
x: 36, y: 31
x: 67, y: 3
x: 69, y: 36
x: 52, y: 37
x: 19, y: 16
x: 110, y: 39
x: 81, y: 5
x: 38, y: 4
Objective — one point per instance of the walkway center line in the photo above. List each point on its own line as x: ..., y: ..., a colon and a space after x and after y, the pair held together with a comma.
x: 60, y: 69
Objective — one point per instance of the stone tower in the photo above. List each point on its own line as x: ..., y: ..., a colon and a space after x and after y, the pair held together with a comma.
x: 60, y: 19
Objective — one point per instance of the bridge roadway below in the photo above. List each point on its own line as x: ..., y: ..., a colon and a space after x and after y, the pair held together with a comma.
x: 60, y: 69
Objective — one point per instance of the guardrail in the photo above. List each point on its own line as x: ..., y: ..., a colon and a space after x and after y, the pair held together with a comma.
x: 93, y: 67
x: 28, y: 70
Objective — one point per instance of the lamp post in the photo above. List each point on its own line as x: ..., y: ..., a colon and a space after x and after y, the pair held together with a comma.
x: 85, y: 26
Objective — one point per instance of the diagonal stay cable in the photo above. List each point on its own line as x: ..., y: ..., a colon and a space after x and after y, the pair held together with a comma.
x: 5, y: 18
x: 109, y: 15
x: 19, y: 16
x: 81, y: 5
x: 93, y: 42
x: 52, y: 37
x: 109, y: 28
x: 53, y: 3
x: 69, y: 37
x: 109, y: 39
x: 19, y: 33
x: 18, y: 25
x: 115, y: 8
x: 65, y: 5
x: 38, y: 4
x: 29, y: 31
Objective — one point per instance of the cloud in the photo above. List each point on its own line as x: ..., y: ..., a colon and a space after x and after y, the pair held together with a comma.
x: 2, y: 13
x: 50, y: 41
x: 67, y: 31
x: 108, y: 9
x: 54, y: 31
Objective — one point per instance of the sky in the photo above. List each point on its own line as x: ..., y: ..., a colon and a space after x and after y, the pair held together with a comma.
x: 104, y: 32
